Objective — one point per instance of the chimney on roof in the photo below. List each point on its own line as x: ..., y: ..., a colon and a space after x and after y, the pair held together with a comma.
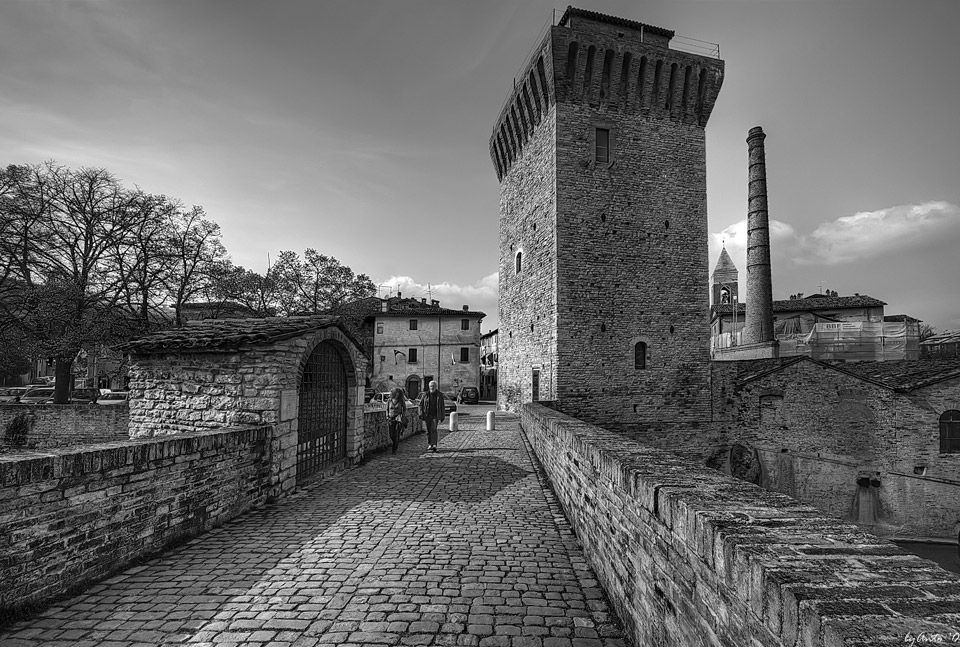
x: 434, y: 302
x: 759, y: 323
x: 399, y: 294
x: 423, y: 299
x: 466, y: 308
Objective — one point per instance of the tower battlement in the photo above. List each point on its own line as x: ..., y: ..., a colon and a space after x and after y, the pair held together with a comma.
x: 610, y: 64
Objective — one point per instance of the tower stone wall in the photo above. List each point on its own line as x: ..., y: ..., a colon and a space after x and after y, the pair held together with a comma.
x: 614, y: 238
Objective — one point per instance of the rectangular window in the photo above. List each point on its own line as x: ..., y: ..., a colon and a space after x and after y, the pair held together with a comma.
x: 412, y: 356
x: 464, y: 354
x: 464, y: 324
x: 379, y: 328
x: 603, y: 145
x: 413, y: 324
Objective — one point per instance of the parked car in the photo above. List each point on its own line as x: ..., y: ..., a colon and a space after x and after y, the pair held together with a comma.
x: 114, y: 398
x: 381, y: 398
x: 86, y: 394
x: 468, y: 395
x: 38, y: 395
x: 11, y: 394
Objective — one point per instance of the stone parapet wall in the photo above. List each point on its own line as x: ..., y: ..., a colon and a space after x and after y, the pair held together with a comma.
x: 70, y: 517
x: 376, y: 431
x: 60, y: 425
x: 689, y: 556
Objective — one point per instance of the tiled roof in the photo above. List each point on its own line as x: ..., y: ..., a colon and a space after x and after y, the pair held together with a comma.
x: 812, y: 303
x: 906, y: 318
x: 612, y: 20
x: 901, y: 375
x: 227, y: 335
x: 945, y: 337
x: 372, y: 307
x: 724, y: 263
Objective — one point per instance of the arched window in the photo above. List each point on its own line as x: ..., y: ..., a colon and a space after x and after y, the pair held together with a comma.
x: 640, y: 355
x: 519, y: 259
x: 950, y: 432
x: 724, y: 295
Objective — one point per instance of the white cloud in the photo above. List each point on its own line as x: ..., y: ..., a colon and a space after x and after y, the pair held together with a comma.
x: 868, y: 234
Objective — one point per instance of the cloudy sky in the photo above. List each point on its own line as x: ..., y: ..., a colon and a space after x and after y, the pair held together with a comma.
x: 360, y: 128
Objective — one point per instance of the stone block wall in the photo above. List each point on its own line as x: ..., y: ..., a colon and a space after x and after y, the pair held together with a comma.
x: 376, y: 431
x: 817, y: 430
x: 689, y: 556
x: 60, y: 425
x: 73, y: 516
x: 176, y: 392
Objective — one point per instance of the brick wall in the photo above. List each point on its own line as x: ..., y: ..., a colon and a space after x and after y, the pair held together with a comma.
x: 74, y: 516
x: 61, y: 425
x: 816, y: 430
x: 689, y: 556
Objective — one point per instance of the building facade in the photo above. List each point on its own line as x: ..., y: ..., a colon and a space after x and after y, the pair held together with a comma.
x: 411, y: 342
x: 600, y: 154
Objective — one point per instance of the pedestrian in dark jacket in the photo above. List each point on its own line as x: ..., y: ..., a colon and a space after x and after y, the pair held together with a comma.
x: 396, y: 414
x: 432, y: 412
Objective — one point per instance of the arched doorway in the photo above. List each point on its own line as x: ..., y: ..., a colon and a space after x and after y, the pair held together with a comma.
x: 413, y: 387
x: 322, y: 430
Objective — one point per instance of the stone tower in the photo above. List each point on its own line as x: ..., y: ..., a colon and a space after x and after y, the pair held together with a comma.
x: 725, y: 286
x: 759, y: 324
x: 600, y: 153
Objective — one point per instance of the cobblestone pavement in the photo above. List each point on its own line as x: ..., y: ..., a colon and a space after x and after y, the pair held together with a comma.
x: 465, y: 546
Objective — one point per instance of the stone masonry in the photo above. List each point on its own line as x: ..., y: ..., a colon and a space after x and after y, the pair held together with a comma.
x: 602, y: 250
x: 219, y: 373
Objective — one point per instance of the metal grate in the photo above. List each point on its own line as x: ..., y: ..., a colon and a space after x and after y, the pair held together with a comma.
x: 322, y: 433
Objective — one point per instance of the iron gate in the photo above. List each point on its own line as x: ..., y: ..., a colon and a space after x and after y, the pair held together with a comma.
x: 322, y: 433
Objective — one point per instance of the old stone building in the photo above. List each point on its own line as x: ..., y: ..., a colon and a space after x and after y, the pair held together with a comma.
x: 489, y: 360
x: 873, y: 442
x: 410, y: 342
x: 302, y: 375
x: 600, y: 153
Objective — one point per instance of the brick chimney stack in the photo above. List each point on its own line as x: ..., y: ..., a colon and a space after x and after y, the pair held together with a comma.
x: 759, y: 323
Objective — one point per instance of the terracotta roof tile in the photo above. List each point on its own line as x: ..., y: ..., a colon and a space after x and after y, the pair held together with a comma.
x: 224, y: 335
x: 900, y: 375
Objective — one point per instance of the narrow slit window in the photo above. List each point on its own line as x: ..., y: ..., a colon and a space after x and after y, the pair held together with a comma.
x: 640, y: 355
x: 603, y: 145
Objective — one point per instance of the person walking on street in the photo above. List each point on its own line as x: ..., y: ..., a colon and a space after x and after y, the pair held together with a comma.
x: 396, y: 414
x: 432, y: 411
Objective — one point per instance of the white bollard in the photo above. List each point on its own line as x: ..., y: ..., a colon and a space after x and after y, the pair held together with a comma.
x: 453, y: 420
x: 491, y: 420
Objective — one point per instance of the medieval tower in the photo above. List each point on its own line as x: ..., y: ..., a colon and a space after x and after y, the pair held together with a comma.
x: 600, y: 153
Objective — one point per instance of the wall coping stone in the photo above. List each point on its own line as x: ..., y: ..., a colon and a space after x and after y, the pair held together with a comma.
x: 808, y: 578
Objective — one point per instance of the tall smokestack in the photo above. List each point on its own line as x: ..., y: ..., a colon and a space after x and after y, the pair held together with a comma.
x: 759, y: 324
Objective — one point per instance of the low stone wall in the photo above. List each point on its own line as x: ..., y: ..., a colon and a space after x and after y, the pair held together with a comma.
x: 376, y: 431
x: 72, y: 517
x: 44, y: 426
x: 689, y: 556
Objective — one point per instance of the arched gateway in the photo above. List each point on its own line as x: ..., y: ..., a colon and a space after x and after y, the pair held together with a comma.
x: 322, y: 416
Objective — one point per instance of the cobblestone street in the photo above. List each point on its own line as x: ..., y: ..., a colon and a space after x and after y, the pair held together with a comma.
x: 465, y: 546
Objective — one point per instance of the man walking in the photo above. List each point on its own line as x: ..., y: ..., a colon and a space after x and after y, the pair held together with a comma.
x: 432, y: 411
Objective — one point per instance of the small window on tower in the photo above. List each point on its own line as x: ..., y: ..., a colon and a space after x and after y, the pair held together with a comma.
x: 603, y: 145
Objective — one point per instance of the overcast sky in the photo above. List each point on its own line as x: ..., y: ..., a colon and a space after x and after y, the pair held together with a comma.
x: 360, y: 128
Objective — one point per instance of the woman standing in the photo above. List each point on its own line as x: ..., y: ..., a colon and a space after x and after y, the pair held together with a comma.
x: 396, y: 414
